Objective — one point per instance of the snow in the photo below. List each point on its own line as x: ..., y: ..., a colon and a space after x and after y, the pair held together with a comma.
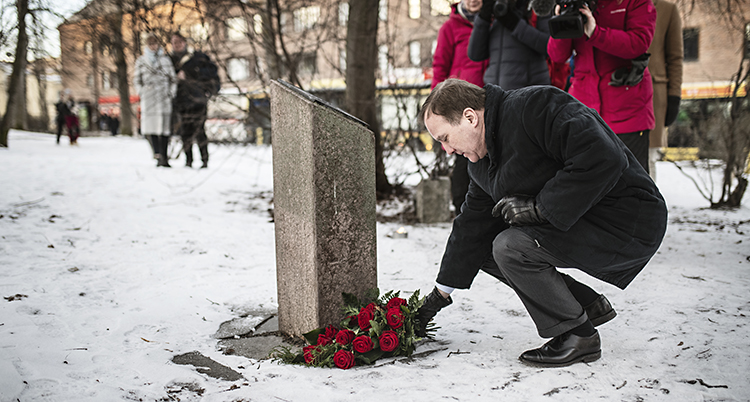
x: 110, y: 267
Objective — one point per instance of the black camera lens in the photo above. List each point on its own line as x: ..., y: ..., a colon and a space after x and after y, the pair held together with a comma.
x: 501, y: 8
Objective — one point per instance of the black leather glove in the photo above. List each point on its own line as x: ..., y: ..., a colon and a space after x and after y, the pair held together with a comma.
x: 673, y: 108
x: 433, y: 303
x: 519, y: 210
x: 509, y: 20
x: 485, y: 12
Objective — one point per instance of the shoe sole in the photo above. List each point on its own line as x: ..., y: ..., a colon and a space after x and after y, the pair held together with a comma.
x: 580, y: 359
x: 604, y: 318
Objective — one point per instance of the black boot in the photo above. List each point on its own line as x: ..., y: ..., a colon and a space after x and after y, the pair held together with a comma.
x: 163, y: 141
x: 433, y: 303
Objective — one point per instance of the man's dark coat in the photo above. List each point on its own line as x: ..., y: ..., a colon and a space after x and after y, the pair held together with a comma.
x: 606, y: 215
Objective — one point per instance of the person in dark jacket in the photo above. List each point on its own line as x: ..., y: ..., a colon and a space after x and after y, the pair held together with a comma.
x: 551, y: 187
x: 197, y: 81
x: 515, y: 44
x: 62, y: 113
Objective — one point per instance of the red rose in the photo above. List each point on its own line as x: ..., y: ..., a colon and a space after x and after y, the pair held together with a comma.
x: 331, y: 331
x: 362, y: 344
x: 395, y: 317
x: 370, y: 307
x: 343, y: 359
x: 395, y: 302
x: 307, y: 353
x: 388, y: 341
x: 364, y: 317
x: 344, y: 337
x: 323, y: 340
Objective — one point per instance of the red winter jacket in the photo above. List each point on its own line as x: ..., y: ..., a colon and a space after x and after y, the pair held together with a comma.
x: 451, y: 59
x: 624, y: 29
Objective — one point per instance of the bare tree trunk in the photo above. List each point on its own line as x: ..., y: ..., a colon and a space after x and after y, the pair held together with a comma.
x: 40, y: 72
x: 17, y: 85
x: 269, y: 40
x: 118, y: 46
x: 361, y: 65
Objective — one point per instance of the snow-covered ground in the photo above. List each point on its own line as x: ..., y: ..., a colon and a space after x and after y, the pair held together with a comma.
x: 109, y: 267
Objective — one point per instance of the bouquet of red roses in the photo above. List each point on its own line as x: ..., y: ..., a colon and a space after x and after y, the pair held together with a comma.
x: 379, y: 327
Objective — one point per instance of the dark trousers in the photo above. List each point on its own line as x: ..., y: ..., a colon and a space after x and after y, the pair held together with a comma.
x: 459, y: 181
x: 192, y: 131
x: 637, y: 143
x: 519, y: 262
x: 60, y: 124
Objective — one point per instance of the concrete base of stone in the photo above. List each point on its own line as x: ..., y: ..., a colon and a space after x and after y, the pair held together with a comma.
x: 433, y: 200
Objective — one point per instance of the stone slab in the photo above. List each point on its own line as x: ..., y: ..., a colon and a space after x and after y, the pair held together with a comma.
x: 433, y: 199
x: 324, y: 208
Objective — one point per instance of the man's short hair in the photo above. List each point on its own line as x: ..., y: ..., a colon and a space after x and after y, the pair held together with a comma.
x: 450, y: 98
x: 179, y: 35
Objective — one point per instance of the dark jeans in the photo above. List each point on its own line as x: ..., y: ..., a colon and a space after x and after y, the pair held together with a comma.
x: 637, y: 143
x: 192, y: 131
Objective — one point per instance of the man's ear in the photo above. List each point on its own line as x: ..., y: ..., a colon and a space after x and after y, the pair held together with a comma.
x: 471, y: 115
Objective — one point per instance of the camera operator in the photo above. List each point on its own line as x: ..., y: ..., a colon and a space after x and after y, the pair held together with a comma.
x: 610, y: 67
x: 514, y: 41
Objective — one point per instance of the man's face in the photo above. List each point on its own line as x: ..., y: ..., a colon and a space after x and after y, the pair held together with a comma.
x: 178, y: 44
x: 466, y: 138
x: 472, y: 6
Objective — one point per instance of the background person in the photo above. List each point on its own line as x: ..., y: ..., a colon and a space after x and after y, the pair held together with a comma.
x: 665, y: 67
x: 616, y: 33
x: 197, y: 81
x: 451, y: 60
x: 62, y: 113
x: 155, y: 83
x: 586, y: 205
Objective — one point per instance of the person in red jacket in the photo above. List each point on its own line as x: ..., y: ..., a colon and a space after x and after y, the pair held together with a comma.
x: 617, y: 34
x: 451, y: 60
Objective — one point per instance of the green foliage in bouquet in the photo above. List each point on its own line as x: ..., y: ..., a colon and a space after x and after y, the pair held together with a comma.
x: 374, y: 328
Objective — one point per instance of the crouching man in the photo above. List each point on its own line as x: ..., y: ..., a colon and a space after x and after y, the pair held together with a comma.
x: 551, y: 186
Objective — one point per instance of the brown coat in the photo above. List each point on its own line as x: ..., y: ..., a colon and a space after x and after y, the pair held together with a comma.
x: 665, y: 65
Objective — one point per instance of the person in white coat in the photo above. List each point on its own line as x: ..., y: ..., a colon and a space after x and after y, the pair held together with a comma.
x: 156, y: 84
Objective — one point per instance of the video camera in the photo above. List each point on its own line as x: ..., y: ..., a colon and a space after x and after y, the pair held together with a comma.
x: 569, y: 24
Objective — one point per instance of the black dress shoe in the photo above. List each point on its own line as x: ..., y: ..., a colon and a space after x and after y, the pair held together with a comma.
x: 600, y: 311
x: 564, y: 350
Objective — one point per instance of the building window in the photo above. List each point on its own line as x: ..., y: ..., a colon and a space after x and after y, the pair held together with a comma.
x: 199, y: 33
x: 238, y: 69
x: 236, y: 28
x: 258, y: 24
x: 106, y: 83
x: 308, y: 64
x: 88, y: 47
x: 342, y: 60
x: 343, y: 14
x: 415, y: 9
x: 383, y: 10
x: 415, y: 53
x: 306, y: 18
x: 690, y: 42
x: 384, y: 62
x: 433, y: 48
x: 440, y: 7
x: 746, y: 43
x: 90, y: 81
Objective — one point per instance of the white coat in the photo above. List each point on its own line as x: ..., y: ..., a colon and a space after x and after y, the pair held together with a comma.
x: 156, y: 84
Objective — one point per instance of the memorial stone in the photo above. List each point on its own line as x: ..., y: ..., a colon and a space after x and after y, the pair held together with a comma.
x: 324, y: 208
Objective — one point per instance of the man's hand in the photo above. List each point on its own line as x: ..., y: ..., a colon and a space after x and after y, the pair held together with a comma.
x: 181, y: 75
x: 485, y: 12
x: 590, y: 24
x: 519, y: 210
x: 673, y: 108
x: 433, y: 303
